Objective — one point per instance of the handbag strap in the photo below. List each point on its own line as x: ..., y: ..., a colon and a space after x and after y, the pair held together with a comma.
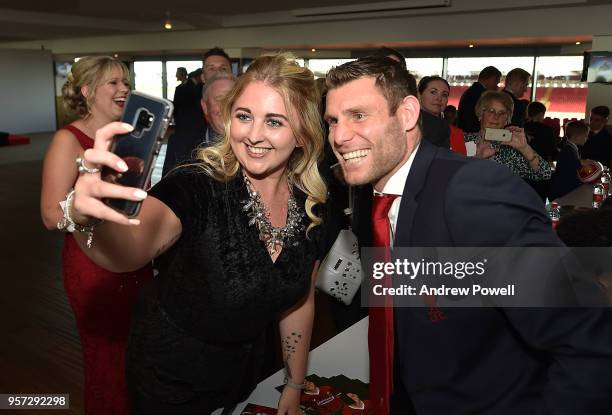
x: 349, y: 211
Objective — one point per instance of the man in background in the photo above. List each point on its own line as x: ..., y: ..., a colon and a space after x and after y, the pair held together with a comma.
x: 516, y: 84
x: 467, y: 120
x: 213, y: 93
x: 599, y: 145
x: 215, y: 61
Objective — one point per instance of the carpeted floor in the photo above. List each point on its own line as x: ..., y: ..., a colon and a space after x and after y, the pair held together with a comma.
x: 39, y: 350
x: 39, y: 346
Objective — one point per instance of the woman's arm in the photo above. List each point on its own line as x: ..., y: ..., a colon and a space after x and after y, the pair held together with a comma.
x: 536, y: 167
x: 120, y: 248
x: 59, y: 175
x: 295, y: 331
x: 121, y: 243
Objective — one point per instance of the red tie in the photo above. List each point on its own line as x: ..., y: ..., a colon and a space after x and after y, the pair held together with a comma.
x: 380, y: 332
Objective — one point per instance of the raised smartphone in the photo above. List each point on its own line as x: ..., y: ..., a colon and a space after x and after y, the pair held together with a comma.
x: 496, y: 134
x: 150, y: 117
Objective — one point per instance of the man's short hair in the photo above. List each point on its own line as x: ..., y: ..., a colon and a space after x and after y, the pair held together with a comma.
x: 196, y: 73
x: 217, y: 77
x: 385, y: 51
x: 216, y: 51
x: 586, y: 228
x: 535, y: 108
x: 181, y: 71
x: 489, y: 72
x: 601, y: 110
x: 517, y: 74
x: 573, y: 128
x: 390, y: 78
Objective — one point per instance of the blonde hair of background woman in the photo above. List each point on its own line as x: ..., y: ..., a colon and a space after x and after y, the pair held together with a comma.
x: 297, y: 87
x: 90, y: 71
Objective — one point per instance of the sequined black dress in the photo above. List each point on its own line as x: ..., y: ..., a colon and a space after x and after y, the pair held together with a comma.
x: 198, y: 334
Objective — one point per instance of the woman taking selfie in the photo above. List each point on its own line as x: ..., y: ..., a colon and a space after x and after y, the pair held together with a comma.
x: 494, y: 110
x: 101, y: 300
x: 235, y: 236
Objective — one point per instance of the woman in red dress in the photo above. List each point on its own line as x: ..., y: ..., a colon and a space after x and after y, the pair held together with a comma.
x: 101, y: 300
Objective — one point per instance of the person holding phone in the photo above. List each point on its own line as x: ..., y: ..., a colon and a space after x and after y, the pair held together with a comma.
x: 494, y: 110
x: 102, y: 301
x: 235, y: 237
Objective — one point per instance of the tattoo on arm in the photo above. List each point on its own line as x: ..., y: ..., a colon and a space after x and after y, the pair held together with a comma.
x: 289, y: 344
x: 167, y: 244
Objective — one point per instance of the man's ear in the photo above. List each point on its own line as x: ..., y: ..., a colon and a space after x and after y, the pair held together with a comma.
x: 409, y: 112
x: 204, y: 108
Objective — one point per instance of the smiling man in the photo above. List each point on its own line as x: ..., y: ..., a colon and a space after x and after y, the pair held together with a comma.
x: 435, y: 361
x: 214, y: 61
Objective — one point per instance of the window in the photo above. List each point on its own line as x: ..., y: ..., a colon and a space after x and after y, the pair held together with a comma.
x: 148, y: 77
x: 420, y: 67
x: 320, y: 67
x: 559, y: 87
x: 463, y: 72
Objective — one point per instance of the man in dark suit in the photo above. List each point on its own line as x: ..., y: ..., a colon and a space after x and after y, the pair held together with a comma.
x: 541, y: 138
x: 516, y: 84
x: 599, y: 145
x: 565, y: 178
x: 184, y: 142
x: 467, y: 120
x: 470, y: 360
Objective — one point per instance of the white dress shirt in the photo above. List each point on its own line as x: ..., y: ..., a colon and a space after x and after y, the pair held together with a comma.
x: 395, y: 186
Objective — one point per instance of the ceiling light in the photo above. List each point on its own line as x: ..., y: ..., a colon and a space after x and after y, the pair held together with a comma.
x: 578, y: 43
x: 313, y: 50
x: 168, y: 22
x: 471, y: 46
x: 115, y: 55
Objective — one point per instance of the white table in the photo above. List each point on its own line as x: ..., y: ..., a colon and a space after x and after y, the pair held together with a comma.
x: 579, y: 197
x: 346, y: 354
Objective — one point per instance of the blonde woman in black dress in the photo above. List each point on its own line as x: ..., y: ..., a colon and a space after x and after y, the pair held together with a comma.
x: 235, y: 236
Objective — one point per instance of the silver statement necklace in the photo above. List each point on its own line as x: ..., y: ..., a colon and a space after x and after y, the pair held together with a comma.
x: 274, y: 238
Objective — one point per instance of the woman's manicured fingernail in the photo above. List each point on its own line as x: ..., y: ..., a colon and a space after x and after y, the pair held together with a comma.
x: 122, y: 166
x: 134, y: 221
x: 127, y: 127
x: 140, y: 194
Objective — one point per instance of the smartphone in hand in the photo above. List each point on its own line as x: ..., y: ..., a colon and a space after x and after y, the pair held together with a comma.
x: 150, y: 117
x: 497, y: 134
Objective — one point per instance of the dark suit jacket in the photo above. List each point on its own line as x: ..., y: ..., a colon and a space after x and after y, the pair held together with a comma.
x: 599, y: 147
x: 466, y: 112
x: 520, y: 110
x: 565, y: 178
x: 181, y: 146
x: 435, y: 129
x: 490, y: 360
x: 542, y: 139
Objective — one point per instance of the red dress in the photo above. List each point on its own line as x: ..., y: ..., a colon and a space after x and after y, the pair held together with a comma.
x: 457, y: 142
x: 102, y: 303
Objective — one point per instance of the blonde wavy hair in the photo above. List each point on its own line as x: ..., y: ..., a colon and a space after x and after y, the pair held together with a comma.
x: 91, y: 71
x: 297, y: 87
